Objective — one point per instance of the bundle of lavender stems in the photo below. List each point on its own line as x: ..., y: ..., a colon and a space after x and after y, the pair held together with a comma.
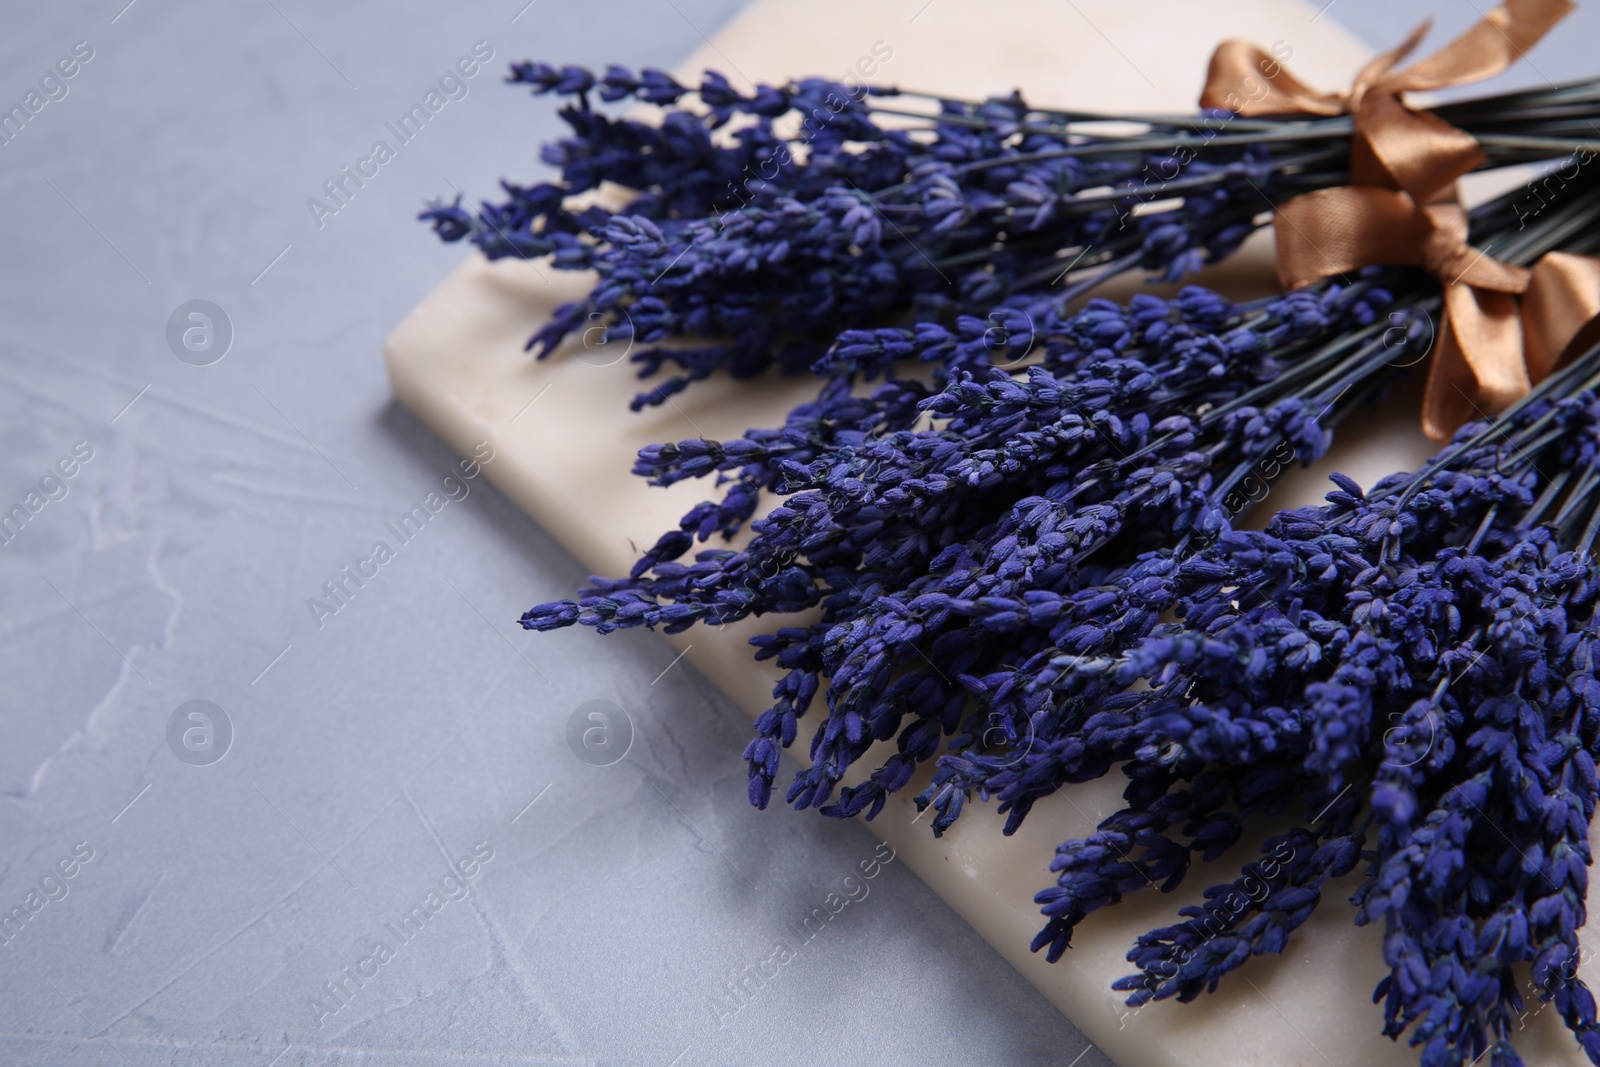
x: 758, y: 226
x: 1002, y: 541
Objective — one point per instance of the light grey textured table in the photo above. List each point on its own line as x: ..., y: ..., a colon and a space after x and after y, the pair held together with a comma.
x: 179, y: 908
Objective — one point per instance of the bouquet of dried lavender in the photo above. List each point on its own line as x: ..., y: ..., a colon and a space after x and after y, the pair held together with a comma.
x: 985, y: 548
x: 991, y: 584
x: 1038, y: 517
x: 762, y: 224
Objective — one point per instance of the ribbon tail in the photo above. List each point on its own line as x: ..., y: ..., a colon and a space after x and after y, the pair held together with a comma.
x: 1335, y: 231
x: 1477, y: 369
x: 1379, y: 66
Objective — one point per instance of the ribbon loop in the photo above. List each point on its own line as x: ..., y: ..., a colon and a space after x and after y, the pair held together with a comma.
x: 1246, y: 80
x: 1561, y: 311
x: 1469, y: 378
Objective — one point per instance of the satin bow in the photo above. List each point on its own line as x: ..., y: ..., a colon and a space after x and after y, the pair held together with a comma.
x: 1504, y: 327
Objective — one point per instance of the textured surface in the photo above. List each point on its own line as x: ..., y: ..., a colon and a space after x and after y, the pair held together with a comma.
x: 457, y: 362
x: 418, y: 721
x: 373, y: 751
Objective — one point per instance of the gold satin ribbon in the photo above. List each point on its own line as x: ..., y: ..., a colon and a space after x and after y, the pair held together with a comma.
x: 1504, y: 327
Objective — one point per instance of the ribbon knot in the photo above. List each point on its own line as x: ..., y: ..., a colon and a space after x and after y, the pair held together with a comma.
x: 1504, y: 327
x: 1447, y: 255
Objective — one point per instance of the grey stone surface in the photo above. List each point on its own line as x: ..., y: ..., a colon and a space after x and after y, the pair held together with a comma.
x: 227, y: 870
x: 1566, y: 53
x: 225, y: 484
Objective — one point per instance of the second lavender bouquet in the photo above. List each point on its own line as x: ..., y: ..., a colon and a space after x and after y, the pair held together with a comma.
x: 993, y: 550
